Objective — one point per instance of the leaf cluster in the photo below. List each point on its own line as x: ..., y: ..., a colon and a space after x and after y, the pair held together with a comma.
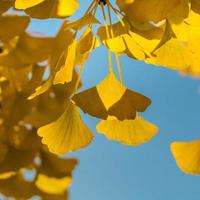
x: 158, y: 32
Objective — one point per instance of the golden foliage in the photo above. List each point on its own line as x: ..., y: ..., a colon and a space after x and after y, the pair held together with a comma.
x: 21, y: 148
x: 40, y: 114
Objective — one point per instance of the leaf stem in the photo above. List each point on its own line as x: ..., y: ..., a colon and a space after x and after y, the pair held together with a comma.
x: 112, y: 35
x: 108, y: 35
x: 119, y: 68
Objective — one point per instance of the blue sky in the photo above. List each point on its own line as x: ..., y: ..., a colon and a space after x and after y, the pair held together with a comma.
x: 111, y: 171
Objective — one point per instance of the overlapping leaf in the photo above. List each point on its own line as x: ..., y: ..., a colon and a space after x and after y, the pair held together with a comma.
x: 111, y: 98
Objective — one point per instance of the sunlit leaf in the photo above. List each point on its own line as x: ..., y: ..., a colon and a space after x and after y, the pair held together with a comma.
x: 172, y: 54
x: 187, y: 155
x: 66, y: 134
x: 64, y: 75
x: 128, y: 132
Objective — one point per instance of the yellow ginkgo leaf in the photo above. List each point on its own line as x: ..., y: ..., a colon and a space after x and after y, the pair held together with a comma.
x: 68, y: 133
x: 23, y: 4
x: 64, y: 75
x: 111, y: 98
x: 187, y: 156
x: 53, y: 185
x: 173, y: 54
x: 128, y: 132
x: 53, y: 9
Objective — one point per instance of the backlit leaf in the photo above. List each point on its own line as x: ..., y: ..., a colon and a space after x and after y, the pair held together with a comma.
x: 66, y: 134
x: 128, y: 132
